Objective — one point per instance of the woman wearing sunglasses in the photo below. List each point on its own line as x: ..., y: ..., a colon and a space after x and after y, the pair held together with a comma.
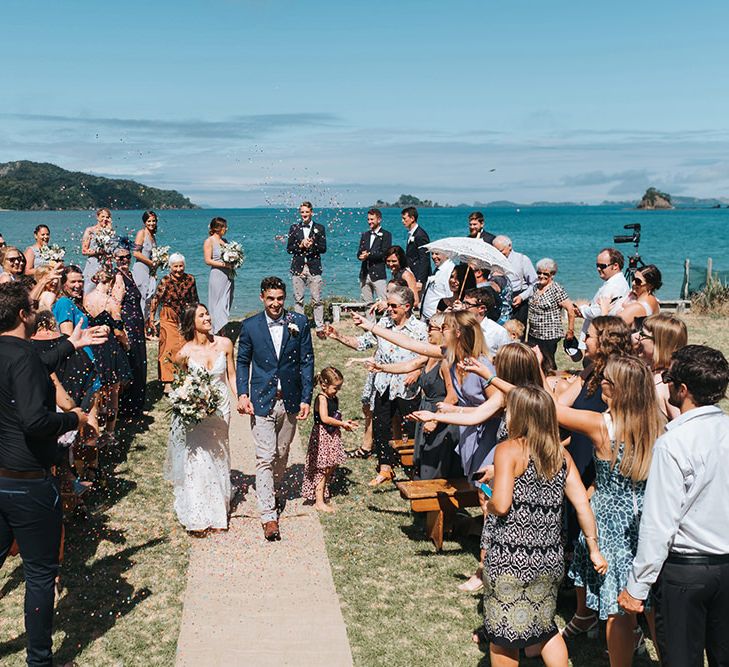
x: 640, y: 302
x: 13, y: 265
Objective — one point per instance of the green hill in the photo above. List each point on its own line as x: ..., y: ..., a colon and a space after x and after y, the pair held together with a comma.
x: 40, y: 186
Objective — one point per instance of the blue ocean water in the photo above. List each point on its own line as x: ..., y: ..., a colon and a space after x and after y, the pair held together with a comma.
x: 570, y: 235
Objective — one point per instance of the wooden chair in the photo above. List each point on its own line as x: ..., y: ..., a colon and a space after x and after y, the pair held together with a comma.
x: 439, y: 499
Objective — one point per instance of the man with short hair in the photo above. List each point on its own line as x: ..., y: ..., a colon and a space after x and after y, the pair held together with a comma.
x: 523, y: 278
x: 417, y: 255
x: 30, y: 507
x: 615, y: 288
x: 683, y: 543
x: 438, y: 286
x: 372, y: 247
x: 479, y: 301
x: 275, y: 350
x: 307, y: 243
x: 476, y: 228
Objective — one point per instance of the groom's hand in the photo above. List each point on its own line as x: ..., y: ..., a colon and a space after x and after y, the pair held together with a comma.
x: 245, y: 407
x: 303, y: 411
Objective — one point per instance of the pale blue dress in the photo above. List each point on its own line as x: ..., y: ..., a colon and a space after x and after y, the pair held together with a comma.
x: 144, y: 279
x: 91, y: 267
x: 220, y: 292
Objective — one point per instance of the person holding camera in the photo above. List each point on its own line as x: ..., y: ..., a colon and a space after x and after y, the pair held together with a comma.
x: 611, y: 294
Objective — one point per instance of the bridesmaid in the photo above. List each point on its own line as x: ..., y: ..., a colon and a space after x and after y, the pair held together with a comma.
x: 174, y: 293
x: 33, y: 260
x: 144, y: 268
x: 220, y: 285
x: 90, y: 249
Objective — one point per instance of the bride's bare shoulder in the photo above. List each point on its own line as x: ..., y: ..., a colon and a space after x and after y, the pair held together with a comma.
x: 224, y: 343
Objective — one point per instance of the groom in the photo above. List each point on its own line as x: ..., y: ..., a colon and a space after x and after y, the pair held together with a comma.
x: 275, y: 377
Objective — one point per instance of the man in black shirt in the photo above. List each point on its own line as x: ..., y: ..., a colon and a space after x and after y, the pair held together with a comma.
x: 30, y: 505
x: 476, y: 228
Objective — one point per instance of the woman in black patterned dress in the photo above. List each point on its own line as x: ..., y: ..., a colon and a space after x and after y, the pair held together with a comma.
x: 524, y: 559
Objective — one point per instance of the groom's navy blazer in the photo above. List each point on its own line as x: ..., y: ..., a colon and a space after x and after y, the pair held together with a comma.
x: 257, y: 359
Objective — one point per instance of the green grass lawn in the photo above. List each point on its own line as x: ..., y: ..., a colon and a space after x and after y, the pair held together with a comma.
x: 125, y: 565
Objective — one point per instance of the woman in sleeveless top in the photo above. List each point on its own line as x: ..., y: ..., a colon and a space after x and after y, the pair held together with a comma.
x: 198, y: 456
x: 96, y: 255
x: 398, y: 265
x: 641, y: 301
x: 220, y: 284
x: 144, y: 269
x: 33, y: 259
x: 524, y: 560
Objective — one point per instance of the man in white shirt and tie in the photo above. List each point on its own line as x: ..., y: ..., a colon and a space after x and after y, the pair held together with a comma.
x: 438, y: 286
x: 371, y: 252
x: 683, y: 544
x: 615, y: 288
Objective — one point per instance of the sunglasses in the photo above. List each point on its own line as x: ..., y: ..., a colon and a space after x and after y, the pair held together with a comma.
x: 394, y: 305
x: 668, y: 378
x: 16, y: 258
x: 470, y: 304
x: 126, y: 258
x: 544, y: 273
x: 602, y: 267
x: 642, y: 335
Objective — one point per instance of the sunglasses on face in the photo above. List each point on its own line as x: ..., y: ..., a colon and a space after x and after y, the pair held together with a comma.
x: 470, y: 304
x: 124, y: 258
x: 602, y: 267
x: 394, y: 305
x: 642, y: 335
x: 16, y: 258
x: 544, y: 273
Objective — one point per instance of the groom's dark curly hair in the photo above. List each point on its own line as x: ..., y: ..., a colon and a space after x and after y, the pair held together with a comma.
x: 272, y: 282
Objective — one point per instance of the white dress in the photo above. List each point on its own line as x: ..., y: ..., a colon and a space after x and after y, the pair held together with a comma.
x: 198, y: 462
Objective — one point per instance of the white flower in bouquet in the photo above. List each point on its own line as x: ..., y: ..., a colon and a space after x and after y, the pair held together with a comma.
x: 231, y: 252
x: 52, y: 253
x: 106, y: 241
x: 161, y: 256
x: 193, y: 396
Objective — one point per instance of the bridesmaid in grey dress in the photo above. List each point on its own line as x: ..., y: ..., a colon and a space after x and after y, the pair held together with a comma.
x: 33, y: 259
x: 90, y: 249
x: 220, y: 284
x: 144, y: 269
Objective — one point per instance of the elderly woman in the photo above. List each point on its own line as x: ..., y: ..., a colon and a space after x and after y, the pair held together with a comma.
x: 174, y: 293
x: 392, y: 395
x: 545, y: 318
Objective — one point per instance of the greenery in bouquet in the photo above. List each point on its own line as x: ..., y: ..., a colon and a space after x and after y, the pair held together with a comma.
x: 231, y: 252
x: 193, y: 396
x: 107, y: 241
x: 161, y: 256
x: 52, y: 253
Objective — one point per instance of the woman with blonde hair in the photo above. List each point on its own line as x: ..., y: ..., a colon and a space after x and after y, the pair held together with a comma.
x: 13, y: 265
x: 659, y: 337
x: 97, y: 251
x: 525, y: 560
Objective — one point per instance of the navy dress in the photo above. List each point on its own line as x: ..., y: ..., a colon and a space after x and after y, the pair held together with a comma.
x: 133, y: 395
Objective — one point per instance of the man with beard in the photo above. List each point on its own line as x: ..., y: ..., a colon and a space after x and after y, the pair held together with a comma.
x: 30, y: 506
x: 476, y: 228
x: 683, y: 544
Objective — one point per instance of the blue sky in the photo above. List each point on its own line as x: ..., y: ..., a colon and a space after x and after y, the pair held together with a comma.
x: 243, y: 103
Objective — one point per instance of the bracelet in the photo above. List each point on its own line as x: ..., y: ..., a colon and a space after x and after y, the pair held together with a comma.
x: 489, y: 381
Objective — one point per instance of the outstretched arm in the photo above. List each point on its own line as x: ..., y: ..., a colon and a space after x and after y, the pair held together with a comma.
x: 462, y: 417
x: 398, y: 338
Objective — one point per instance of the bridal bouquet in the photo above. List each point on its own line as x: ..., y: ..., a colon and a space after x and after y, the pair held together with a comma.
x: 193, y: 396
x: 106, y: 241
x: 161, y: 255
x: 52, y: 254
x: 231, y: 252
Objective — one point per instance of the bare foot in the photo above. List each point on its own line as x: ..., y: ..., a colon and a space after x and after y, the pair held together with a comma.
x: 323, y: 507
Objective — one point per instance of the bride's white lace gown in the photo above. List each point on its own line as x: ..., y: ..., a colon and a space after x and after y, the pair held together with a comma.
x: 198, y: 462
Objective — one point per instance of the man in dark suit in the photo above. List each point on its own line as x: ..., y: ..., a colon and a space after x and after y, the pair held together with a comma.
x: 372, y: 247
x: 275, y: 350
x: 476, y: 230
x: 307, y: 242
x: 417, y: 256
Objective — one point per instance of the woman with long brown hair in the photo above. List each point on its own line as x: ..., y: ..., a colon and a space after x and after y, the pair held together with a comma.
x: 524, y: 560
x: 220, y: 283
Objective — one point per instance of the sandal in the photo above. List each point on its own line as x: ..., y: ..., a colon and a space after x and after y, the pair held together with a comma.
x: 359, y: 453
x: 472, y: 585
x: 382, y: 477
x: 573, y: 630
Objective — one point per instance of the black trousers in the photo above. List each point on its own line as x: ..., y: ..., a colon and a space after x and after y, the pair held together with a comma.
x: 692, y: 614
x: 521, y: 312
x: 548, y: 349
x: 133, y: 395
x: 30, y: 512
x: 385, y: 409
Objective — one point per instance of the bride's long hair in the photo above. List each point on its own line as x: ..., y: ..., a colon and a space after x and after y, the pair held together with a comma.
x: 187, y: 321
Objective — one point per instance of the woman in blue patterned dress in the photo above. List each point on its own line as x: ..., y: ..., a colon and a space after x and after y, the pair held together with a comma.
x: 524, y: 560
x: 623, y: 438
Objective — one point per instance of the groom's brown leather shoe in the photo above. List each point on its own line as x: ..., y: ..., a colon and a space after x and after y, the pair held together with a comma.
x: 270, y: 531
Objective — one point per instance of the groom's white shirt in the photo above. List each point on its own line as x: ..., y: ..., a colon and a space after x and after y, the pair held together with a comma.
x: 276, y: 332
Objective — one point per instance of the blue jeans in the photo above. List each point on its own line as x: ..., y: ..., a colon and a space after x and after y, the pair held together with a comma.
x: 31, y: 513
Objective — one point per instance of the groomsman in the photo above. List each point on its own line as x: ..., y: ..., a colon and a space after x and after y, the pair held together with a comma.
x: 476, y: 230
x: 275, y: 350
x: 417, y: 256
x: 307, y: 242
x: 372, y: 247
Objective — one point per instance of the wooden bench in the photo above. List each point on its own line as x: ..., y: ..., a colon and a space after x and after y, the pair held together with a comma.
x: 439, y: 499
x: 337, y: 307
x: 405, y: 449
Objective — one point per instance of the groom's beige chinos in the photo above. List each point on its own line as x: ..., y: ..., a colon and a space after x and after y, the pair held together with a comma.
x: 272, y: 435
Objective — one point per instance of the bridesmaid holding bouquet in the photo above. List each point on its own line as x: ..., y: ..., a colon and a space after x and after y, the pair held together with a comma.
x: 220, y: 284
x: 145, y: 268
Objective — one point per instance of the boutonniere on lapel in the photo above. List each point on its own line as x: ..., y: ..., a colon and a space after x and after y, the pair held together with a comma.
x: 291, y: 325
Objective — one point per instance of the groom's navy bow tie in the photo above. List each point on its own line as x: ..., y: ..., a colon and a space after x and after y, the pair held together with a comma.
x: 276, y: 323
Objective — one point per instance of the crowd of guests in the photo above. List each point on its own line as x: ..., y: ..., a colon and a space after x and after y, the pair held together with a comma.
x: 575, y: 471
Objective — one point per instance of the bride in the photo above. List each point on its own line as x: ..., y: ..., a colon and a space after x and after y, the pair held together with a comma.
x: 198, y: 457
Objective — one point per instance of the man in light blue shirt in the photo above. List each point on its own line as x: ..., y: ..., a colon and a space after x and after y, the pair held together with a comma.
x: 683, y: 546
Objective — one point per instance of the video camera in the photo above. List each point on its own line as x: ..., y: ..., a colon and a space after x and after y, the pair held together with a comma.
x: 633, y: 238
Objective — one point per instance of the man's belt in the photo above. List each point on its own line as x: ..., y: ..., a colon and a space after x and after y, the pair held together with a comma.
x: 23, y: 474
x: 697, y: 559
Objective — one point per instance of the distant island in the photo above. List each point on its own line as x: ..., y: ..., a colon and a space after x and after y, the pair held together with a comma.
x: 410, y: 200
x: 41, y: 186
x: 655, y: 199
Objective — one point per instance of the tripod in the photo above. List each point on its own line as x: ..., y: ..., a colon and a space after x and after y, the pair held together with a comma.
x: 635, y: 263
